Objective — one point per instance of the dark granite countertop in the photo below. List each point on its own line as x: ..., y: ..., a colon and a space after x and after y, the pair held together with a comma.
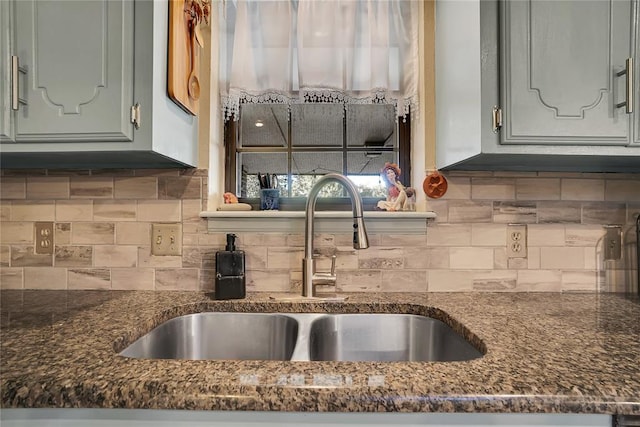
x: 569, y: 353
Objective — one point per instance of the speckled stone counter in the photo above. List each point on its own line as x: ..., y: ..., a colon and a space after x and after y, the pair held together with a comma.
x: 573, y: 353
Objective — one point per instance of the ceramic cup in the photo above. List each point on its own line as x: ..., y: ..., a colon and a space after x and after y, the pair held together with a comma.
x: 269, y: 199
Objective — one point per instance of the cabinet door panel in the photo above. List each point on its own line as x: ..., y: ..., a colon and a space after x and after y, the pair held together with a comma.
x: 6, y: 124
x: 78, y: 57
x: 635, y: 141
x: 560, y: 60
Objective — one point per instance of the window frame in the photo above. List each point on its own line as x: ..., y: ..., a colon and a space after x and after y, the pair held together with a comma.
x: 231, y: 143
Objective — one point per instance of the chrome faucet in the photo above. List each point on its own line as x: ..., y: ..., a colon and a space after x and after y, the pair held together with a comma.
x: 310, y: 278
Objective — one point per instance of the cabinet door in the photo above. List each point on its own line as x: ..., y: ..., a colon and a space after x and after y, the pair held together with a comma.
x: 636, y: 61
x: 78, y: 56
x: 6, y: 124
x: 559, y: 64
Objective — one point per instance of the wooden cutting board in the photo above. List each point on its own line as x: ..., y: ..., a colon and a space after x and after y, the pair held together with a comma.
x: 184, y: 59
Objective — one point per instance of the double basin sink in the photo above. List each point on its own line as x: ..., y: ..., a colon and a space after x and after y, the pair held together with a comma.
x: 379, y: 337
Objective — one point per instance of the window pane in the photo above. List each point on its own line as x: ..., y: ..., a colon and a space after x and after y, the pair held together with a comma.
x: 250, y: 164
x: 371, y: 126
x: 307, y: 167
x: 317, y: 125
x: 369, y: 163
x: 264, y: 125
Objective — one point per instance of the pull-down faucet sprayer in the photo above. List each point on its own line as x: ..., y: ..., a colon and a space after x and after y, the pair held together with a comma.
x: 360, y: 240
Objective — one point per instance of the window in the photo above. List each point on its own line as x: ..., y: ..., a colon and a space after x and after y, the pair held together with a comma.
x: 300, y: 142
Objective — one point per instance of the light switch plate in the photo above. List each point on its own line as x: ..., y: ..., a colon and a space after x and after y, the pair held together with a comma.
x: 166, y: 239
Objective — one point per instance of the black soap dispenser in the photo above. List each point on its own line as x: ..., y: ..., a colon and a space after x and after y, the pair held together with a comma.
x: 230, y: 277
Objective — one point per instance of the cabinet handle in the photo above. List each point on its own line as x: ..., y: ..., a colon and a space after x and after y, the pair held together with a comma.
x: 628, y: 73
x: 15, y: 83
x: 15, y: 103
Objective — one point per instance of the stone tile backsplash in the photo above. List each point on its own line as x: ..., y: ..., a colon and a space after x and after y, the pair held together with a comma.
x: 103, y: 224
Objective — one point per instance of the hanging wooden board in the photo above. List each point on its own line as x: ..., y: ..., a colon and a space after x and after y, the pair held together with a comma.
x: 183, y: 79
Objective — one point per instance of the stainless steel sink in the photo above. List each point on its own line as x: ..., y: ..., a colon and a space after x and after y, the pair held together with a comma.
x: 244, y: 336
x: 386, y: 338
x: 380, y: 337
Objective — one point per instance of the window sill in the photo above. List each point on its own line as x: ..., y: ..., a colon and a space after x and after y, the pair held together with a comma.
x: 325, y: 221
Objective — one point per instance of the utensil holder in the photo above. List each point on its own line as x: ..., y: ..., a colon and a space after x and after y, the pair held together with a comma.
x: 269, y: 199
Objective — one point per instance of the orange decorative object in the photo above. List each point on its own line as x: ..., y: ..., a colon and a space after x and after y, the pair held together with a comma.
x: 230, y: 198
x: 435, y: 185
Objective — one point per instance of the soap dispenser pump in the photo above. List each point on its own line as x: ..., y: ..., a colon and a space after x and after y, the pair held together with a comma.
x: 230, y: 277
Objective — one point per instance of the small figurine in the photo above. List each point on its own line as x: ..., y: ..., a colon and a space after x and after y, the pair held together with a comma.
x: 399, y: 197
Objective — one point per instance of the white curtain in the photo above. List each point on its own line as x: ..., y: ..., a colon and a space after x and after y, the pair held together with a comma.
x: 289, y: 51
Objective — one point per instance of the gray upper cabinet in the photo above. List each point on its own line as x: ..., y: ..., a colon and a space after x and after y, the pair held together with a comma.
x: 84, y: 66
x: 78, y: 62
x: 552, y: 68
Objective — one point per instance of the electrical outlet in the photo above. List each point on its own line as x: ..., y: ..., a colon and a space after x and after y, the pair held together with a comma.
x: 166, y: 239
x: 613, y: 242
x: 44, y: 238
x: 516, y: 241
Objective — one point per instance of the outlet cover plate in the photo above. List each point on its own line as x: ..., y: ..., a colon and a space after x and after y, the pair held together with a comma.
x: 166, y: 239
x: 44, y: 238
x: 517, y: 241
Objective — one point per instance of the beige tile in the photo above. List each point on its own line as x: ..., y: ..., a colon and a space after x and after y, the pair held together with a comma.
x: 25, y: 256
x: 192, y: 257
x: 256, y: 257
x: 462, y: 211
x: 404, y: 281
x: 545, y: 235
x: 91, y: 187
x: 539, y: 281
x: 159, y: 210
x: 45, y: 278
x: 622, y: 190
x: 73, y: 256
x: 515, y: 212
x: 5, y: 211
x: 340, y: 239
x: 488, y: 234
x: 493, y: 189
x: 114, y: 210
x: 450, y: 280
x: 170, y: 279
x: 423, y: 258
x: 479, y: 174
x: 470, y: 258
x: 592, y: 258
x: 132, y: 278
x: 500, y: 260
x: 559, y: 212
x: 517, y: 263
x: 17, y: 232
x: 381, y: 258
x: 495, y: 281
x: 281, y: 258
x: 5, y: 255
x: 133, y: 233
x: 514, y: 174
x: 47, y: 187
x: 62, y: 233
x: 359, y: 281
x: 146, y: 259
x: 403, y: 240
x: 215, y: 240
x: 533, y: 258
x: 145, y: 187
x: 346, y: 258
x: 441, y: 209
x: 582, y: 189
x: 323, y: 240
x: 538, y: 189
x: 183, y: 187
x: 95, y: 233
x: 13, y: 188
x: 458, y: 188
x: 583, y: 235
x: 604, y: 213
x: 11, y: 278
x: 115, y: 256
x: 449, y: 235
x: 579, y: 281
x: 207, y: 280
x: 562, y: 258
x: 89, y: 278
x: 262, y: 239
x: 157, y: 172
x: 191, y: 210
x: 190, y: 239
x: 74, y: 210
x: 268, y: 280
x: 25, y: 210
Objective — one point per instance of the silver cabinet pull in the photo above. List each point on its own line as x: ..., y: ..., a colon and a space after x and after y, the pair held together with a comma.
x: 628, y: 73
x: 15, y: 83
x: 15, y: 103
